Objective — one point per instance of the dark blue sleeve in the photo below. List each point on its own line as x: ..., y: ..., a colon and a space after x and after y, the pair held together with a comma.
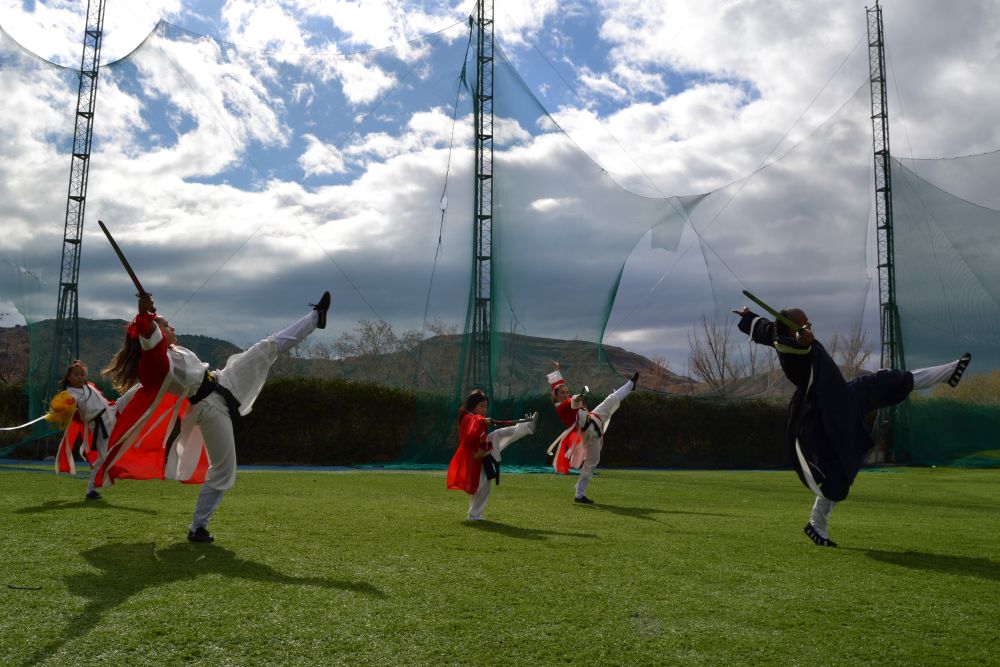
x: 763, y: 331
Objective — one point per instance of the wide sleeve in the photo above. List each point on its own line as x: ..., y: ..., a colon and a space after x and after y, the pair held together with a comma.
x: 759, y: 329
x: 153, y: 364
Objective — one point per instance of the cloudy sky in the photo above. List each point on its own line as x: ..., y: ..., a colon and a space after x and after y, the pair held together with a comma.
x: 250, y: 154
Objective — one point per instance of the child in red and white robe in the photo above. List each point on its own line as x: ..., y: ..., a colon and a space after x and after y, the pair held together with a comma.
x: 88, y: 418
x: 579, y: 446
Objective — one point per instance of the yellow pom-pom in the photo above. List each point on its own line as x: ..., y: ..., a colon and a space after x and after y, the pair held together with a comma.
x: 61, y: 409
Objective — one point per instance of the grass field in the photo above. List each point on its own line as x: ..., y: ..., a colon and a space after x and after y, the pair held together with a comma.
x: 358, y: 568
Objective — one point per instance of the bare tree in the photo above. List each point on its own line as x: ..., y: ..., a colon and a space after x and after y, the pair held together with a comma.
x: 438, y: 327
x: 660, y: 372
x: 852, y: 350
x: 290, y: 363
x: 710, y: 359
x: 402, y: 359
x: 437, y: 360
x: 369, y: 338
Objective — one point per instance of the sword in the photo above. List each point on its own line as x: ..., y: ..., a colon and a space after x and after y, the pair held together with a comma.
x: 793, y: 326
x: 121, y: 256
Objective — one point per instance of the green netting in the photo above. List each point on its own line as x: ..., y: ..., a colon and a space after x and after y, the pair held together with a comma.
x: 948, y: 290
x: 36, y: 97
x: 354, y: 173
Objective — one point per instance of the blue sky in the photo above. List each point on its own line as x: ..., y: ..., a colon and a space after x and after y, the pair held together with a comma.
x: 233, y: 196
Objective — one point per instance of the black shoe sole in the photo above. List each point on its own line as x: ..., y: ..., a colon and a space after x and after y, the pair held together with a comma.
x: 321, y: 308
x: 963, y: 363
x: 817, y: 539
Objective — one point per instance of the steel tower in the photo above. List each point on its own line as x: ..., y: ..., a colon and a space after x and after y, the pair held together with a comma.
x: 66, y: 335
x: 480, y: 368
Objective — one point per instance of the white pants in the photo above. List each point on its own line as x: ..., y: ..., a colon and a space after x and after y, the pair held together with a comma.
x: 820, y: 516
x: 500, y: 439
x: 593, y: 454
x: 592, y: 441
x: 244, y: 375
x: 928, y: 377
x: 245, y: 372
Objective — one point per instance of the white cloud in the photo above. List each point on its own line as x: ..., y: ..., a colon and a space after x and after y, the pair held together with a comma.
x: 320, y: 158
x: 183, y: 162
x: 549, y: 204
x: 602, y: 84
x: 362, y: 81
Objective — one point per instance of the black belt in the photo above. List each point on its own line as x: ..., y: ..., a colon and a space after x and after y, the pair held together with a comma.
x: 591, y: 422
x: 99, y: 427
x: 492, y: 468
x: 208, y: 385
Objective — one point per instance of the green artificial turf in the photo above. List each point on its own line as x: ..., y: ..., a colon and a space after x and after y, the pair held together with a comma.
x: 316, y: 568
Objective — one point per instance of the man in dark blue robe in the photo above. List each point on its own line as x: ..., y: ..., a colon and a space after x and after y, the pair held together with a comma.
x: 827, y: 438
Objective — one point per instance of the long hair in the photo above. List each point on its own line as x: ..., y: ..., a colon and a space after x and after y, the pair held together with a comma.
x: 474, y: 399
x: 124, y: 367
x: 64, y: 382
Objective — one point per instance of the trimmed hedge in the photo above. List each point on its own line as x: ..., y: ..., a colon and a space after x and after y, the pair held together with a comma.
x: 336, y: 422
x: 311, y: 421
x: 13, y: 408
x: 325, y: 422
x: 657, y: 431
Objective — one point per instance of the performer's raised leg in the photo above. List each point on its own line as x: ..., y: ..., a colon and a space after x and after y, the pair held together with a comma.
x: 504, y: 437
x: 610, y: 405
x: 950, y: 373
x: 246, y: 372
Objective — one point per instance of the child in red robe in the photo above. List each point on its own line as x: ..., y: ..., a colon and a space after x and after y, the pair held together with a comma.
x: 477, y: 459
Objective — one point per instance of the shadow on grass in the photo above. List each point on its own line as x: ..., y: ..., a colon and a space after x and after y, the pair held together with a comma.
x: 129, y: 569
x: 641, y: 512
x: 54, y: 505
x: 983, y: 568
x: 520, y: 533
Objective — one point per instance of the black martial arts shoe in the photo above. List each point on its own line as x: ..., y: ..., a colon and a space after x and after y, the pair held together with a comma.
x: 92, y: 495
x: 635, y: 379
x: 963, y: 363
x: 583, y: 499
x: 321, y: 308
x: 814, y: 535
x: 199, y: 534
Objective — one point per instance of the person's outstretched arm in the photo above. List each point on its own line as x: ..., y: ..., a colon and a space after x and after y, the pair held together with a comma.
x: 760, y: 329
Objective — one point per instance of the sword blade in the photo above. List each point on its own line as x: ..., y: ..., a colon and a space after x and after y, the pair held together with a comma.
x: 121, y: 258
x: 793, y: 326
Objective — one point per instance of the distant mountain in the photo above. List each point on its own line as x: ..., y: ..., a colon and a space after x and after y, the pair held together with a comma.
x: 429, y: 365
x: 522, y: 364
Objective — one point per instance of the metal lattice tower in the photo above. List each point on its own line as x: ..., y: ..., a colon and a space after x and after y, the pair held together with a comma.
x: 66, y: 336
x: 892, y: 342
x: 481, y: 363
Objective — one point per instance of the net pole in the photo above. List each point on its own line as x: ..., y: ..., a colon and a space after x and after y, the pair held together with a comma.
x: 481, y: 363
x: 66, y: 336
x: 890, y: 422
